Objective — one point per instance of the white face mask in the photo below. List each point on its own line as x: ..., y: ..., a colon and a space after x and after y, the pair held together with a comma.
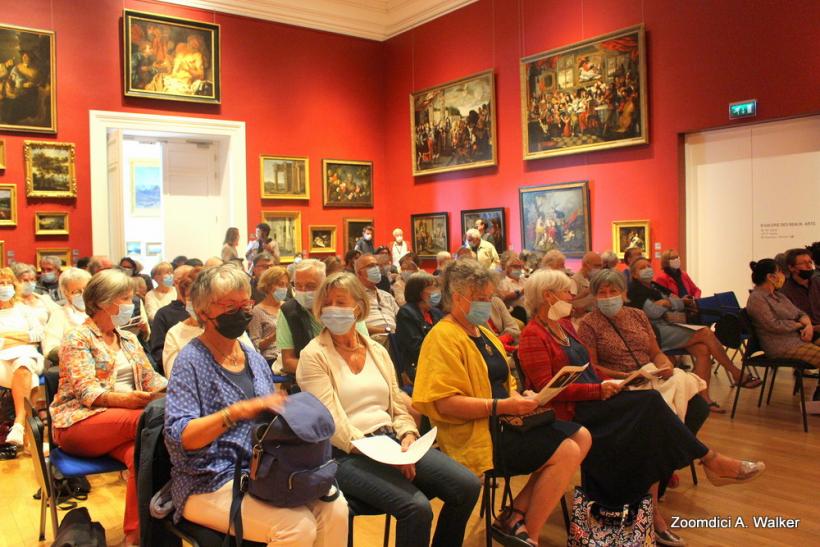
x: 559, y: 310
x: 78, y: 302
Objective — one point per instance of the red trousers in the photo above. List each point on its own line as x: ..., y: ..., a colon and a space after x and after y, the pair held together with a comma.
x: 109, y: 433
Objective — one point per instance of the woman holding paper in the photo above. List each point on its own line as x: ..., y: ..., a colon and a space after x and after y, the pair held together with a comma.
x: 355, y: 379
x: 637, y: 423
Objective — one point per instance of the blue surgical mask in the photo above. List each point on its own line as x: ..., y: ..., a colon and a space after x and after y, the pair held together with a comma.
x: 337, y: 319
x: 435, y: 298
x: 189, y: 307
x: 479, y: 312
x: 646, y: 274
x: 610, y: 306
x: 6, y: 292
x: 280, y: 293
x: 123, y: 315
x: 48, y: 277
x: 28, y: 287
x: 305, y: 299
x: 168, y: 280
x: 374, y: 274
x: 78, y: 302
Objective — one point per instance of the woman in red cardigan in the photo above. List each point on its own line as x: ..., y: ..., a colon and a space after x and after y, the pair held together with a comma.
x: 674, y: 279
x: 637, y: 441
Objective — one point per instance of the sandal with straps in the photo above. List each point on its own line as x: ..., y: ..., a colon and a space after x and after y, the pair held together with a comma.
x: 512, y: 535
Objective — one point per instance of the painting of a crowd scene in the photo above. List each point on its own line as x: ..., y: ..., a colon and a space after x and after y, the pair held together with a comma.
x: 587, y: 96
x: 556, y: 216
x: 50, y: 170
x: 453, y: 125
x: 347, y: 183
x: 170, y: 58
x: 27, y: 80
x: 431, y: 234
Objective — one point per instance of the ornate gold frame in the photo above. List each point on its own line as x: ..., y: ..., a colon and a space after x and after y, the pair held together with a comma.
x: 31, y: 192
x: 363, y: 205
x: 64, y: 254
x: 263, y: 158
x: 333, y: 239
x: 616, y: 240
x: 13, y: 220
x: 47, y: 232
x: 268, y: 216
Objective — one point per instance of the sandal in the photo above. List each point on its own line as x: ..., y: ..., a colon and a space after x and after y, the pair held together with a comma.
x: 716, y: 408
x: 750, y: 382
x: 512, y: 535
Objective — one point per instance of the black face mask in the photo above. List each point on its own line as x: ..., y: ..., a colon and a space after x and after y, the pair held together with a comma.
x: 232, y: 325
x: 805, y: 274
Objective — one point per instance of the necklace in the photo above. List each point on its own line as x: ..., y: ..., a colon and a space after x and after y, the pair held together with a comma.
x: 561, y: 338
x: 347, y: 348
x: 231, y: 358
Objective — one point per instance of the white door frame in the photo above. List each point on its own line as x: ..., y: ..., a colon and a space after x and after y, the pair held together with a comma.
x: 232, y: 177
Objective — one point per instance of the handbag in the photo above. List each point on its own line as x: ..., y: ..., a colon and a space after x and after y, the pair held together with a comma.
x: 539, y: 417
x: 595, y: 525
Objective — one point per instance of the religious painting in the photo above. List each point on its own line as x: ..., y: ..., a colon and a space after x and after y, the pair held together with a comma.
x: 27, y: 80
x: 146, y: 188
x: 453, y: 125
x: 630, y: 233
x: 495, y: 230
x: 8, y: 205
x: 286, y: 230
x: 430, y: 233
x: 153, y: 249
x: 556, y: 216
x: 347, y: 183
x: 63, y: 254
x: 50, y: 223
x: 586, y: 96
x: 170, y: 58
x: 353, y: 231
x: 322, y: 239
x: 284, y: 177
x: 50, y: 169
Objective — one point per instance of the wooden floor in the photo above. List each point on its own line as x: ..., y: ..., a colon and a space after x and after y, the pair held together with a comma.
x: 789, y: 488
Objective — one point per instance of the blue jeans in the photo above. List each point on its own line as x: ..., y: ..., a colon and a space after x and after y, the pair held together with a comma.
x: 437, y: 476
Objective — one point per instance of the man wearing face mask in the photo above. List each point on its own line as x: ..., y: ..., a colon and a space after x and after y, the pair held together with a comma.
x: 365, y: 244
x: 800, y: 284
x: 584, y: 301
x: 48, y: 284
x: 381, y: 319
x: 389, y: 272
x: 168, y: 316
x: 485, y: 251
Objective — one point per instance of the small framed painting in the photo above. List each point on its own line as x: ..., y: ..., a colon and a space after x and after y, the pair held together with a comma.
x: 51, y: 224
x: 630, y: 233
x: 8, y: 205
x: 2, y: 153
x: 430, y: 233
x: 353, y: 231
x: 322, y: 239
x: 50, y: 169
x: 286, y: 230
x: 494, y: 222
x: 284, y: 177
x: 146, y: 188
x: 133, y: 248
x: 63, y: 254
x: 153, y: 249
x: 347, y: 183
x: 556, y: 216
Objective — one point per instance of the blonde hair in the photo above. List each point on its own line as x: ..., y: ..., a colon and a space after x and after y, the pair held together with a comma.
x: 345, y: 281
x: 6, y: 274
x: 162, y: 268
x: 269, y: 277
x: 104, y: 288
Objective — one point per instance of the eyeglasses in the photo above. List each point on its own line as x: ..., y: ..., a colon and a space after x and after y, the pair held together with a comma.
x: 231, y: 307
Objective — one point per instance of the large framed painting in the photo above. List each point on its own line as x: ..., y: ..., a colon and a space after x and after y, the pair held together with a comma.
x: 28, y: 75
x: 347, y: 183
x: 50, y: 223
x: 170, y: 58
x: 453, y: 125
x: 146, y: 188
x: 556, y: 216
x: 322, y: 239
x: 63, y: 254
x: 495, y: 223
x: 284, y: 177
x: 50, y: 169
x: 353, y: 231
x: 8, y: 205
x: 286, y: 230
x: 430, y: 233
x: 630, y: 233
x: 587, y: 96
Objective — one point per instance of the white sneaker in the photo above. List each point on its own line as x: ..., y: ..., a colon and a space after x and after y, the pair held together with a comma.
x: 15, y: 435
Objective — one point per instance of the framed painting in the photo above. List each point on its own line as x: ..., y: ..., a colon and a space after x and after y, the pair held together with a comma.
x: 452, y: 126
x: 50, y: 169
x: 50, y: 224
x: 322, y: 239
x: 556, y: 216
x: 353, y: 231
x: 170, y: 58
x: 133, y: 248
x: 286, y: 230
x: 29, y: 82
x: 146, y: 188
x: 630, y: 233
x: 2, y: 153
x: 495, y: 223
x: 430, y: 233
x: 153, y: 249
x: 347, y: 183
x: 63, y: 254
x: 284, y: 177
x: 587, y: 96
x: 8, y: 205
x: 2, y: 254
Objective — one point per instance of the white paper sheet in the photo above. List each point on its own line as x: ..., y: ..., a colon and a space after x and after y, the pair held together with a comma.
x: 563, y: 378
x: 385, y: 450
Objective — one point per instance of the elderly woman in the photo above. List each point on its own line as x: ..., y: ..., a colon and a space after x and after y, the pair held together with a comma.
x: 416, y: 318
x: 354, y: 378
x: 20, y: 362
x: 674, y: 279
x: 702, y: 344
x: 274, y: 284
x: 218, y: 388
x: 638, y: 423
x: 164, y: 293
x: 463, y: 379
x: 41, y: 305
x: 70, y: 315
x: 105, y: 381
x: 511, y: 288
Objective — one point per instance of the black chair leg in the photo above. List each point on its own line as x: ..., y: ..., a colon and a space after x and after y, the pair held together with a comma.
x: 386, y: 529
x: 692, y: 464
x: 565, y: 512
x: 43, y: 504
x: 771, y: 386
x: 737, y: 391
x: 763, y: 387
x: 349, y: 529
x: 486, y: 510
x: 802, y: 402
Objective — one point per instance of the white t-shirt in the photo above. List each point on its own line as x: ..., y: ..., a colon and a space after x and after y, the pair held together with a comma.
x: 154, y: 300
x: 124, y: 374
x: 365, y: 396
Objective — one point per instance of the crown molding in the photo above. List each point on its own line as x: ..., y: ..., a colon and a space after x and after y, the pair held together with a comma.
x: 371, y: 19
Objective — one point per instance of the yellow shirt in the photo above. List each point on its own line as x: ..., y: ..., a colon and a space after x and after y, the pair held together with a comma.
x: 450, y: 364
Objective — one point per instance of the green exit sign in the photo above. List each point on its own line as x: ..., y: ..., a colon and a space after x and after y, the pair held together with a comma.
x: 743, y: 109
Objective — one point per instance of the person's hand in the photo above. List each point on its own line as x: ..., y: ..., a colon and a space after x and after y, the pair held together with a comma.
x: 529, y: 394
x: 609, y: 389
x: 664, y: 373
x: 517, y: 405
x: 136, y: 399
x: 409, y: 470
x: 407, y: 440
x: 250, y: 408
x: 663, y: 302
x: 807, y: 333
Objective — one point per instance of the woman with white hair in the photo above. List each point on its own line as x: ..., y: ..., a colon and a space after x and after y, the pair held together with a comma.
x: 41, y: 306
x: 71, y: 315
x: 398, y: 248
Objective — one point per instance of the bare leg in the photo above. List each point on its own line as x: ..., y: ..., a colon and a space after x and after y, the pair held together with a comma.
x: 20, y: 389
x: 708, y: 338
x: 703, y: 364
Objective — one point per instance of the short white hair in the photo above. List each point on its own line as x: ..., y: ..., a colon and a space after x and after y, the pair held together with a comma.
x: 213, y: 283
x: 608, y: 257
x: 55, y: 261
x: 70, y: 275
x: 473, y: 233
x: 397, y: 231
x: 552, y: 258
x: 540, y: 282
x: 310, y: 264
x: 443, y: 255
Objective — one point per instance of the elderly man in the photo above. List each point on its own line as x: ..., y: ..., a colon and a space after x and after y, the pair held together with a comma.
x: 609, y: 260
x: 383, y: 307
x: 168, y: 316
x: 584, y: 301
x: 801, y: 284
x: 481, y: 226
x: 485, y: 251
x: 49, y: 283
x: 260, y: 264
x: 442, y: 259
x: 99, y: 263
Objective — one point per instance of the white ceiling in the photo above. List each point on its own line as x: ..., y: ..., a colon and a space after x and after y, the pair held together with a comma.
x: 372, y: 19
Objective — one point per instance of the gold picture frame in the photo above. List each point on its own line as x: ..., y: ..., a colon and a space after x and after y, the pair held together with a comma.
x: 322, y: 239
x: 2, y: 254
x: 8, y: 205
x: 51, y: 223
x: 353, y: 231
x: 630, y: 233
x: 291, y: 173
x: 2, y: 153
x: 286, y: 230
x: 347, y: 183
x: 64, y: 254
x: 50, y: 160
x: 579, y: 75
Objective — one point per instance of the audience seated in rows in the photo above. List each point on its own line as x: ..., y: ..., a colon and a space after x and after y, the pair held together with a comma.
x: 674, y: 279
x: 50, y: 267
x: 511, y: 286
x: 442, y: 259
x: 260, y: 263
x: 583, y: 301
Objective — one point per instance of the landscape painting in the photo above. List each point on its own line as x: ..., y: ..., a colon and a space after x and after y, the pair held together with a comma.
x: 556, y: 216
x: 286, y: 230
x: 284, y: 177
x: 48, y: 224
x: 347, y: 183
x: 50, y: 169
x: 146, y: 188
x: 8, y: 205
x: 431, y: 234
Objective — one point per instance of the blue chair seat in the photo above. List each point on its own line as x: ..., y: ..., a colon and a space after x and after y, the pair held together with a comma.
x: 73, y: 466
x: 281, y: 378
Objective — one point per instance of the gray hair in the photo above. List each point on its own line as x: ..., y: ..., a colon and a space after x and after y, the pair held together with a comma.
x: 347, y: 282
x: 609, y: 259
x: 21, y: 269
x: 463, y: 275
x: 213, y: 283
x: 309, y: 264
x: 552, y: 258
x: 538, y: 283
x: 264, y: 255
x: 105, y: 287
x: 71, y: 275
x: 443, y: 255
x: 55, y: 261
x: 473, y: 232
x: 607, y: 277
